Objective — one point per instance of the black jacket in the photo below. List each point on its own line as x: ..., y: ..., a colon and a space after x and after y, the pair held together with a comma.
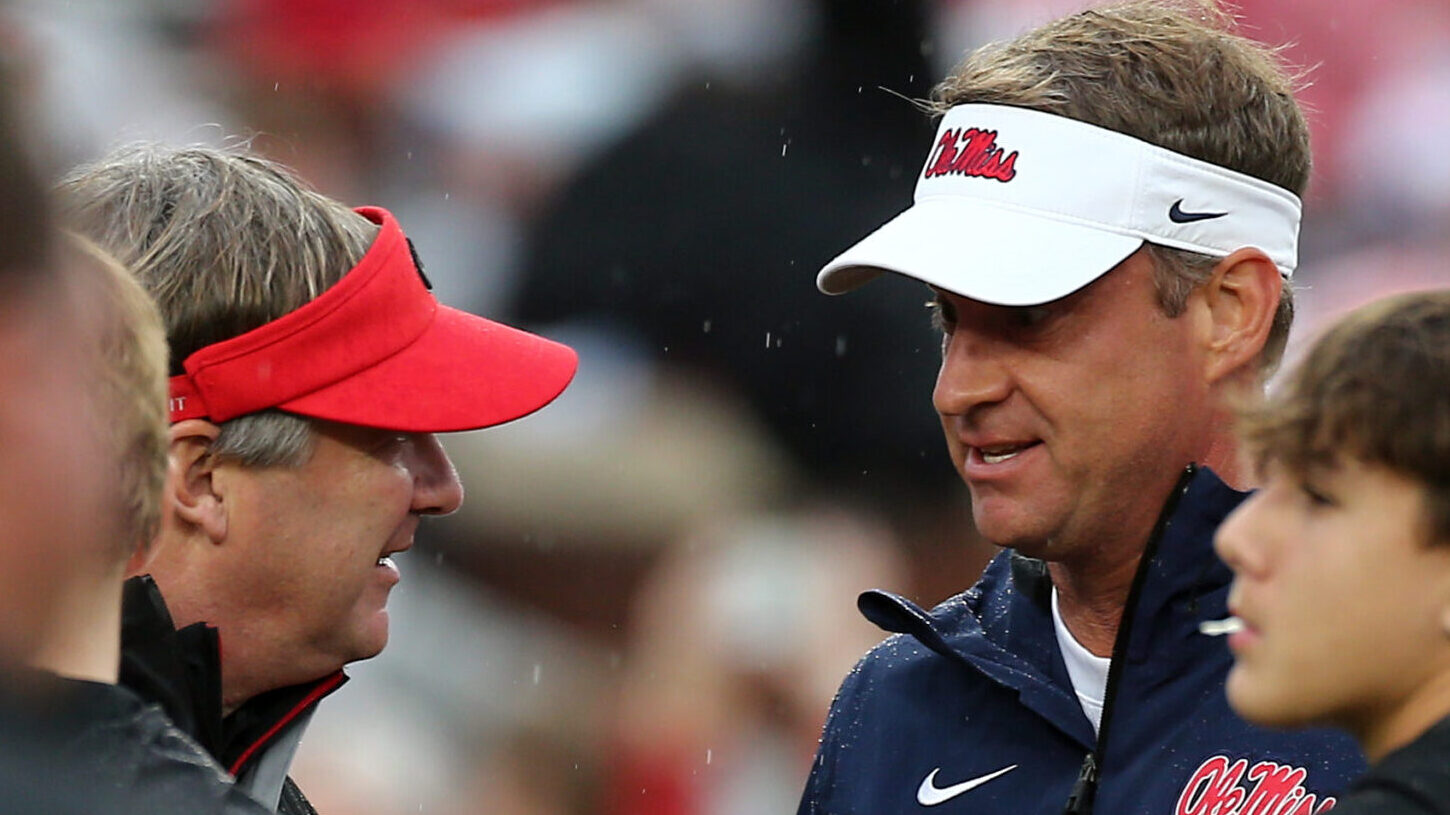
x: 1413, y: 780
x: 181, y: 671
x: 71, y: 746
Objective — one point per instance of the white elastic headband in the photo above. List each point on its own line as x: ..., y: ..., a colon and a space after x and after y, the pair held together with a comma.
x: 1020, y: 207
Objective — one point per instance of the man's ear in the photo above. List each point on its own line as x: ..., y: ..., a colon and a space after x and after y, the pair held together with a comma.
x: 190, y: 492
x: 1240, y: 298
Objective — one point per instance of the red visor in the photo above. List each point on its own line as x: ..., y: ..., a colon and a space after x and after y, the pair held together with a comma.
x: 378, y: 350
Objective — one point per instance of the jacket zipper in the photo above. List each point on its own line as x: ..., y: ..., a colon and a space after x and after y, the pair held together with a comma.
x: 1085, y: 790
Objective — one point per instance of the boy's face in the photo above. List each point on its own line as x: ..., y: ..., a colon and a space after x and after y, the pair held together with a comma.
x: 1343, y: 597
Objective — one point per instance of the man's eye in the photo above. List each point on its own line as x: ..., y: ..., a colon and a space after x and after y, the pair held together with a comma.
x: 943, y: 318
x: 1031, y: 316
x: 390, y: 442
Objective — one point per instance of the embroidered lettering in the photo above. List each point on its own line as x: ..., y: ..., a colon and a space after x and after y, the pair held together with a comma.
x: 973, y: 153
x: 1222, y: 787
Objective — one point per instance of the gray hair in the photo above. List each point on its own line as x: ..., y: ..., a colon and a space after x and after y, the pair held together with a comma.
x: 225, y: 241
x: 267, y: 438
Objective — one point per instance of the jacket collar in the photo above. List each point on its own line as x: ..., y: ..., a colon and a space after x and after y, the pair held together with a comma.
x: 1002, y: 626
x: 181, y: 671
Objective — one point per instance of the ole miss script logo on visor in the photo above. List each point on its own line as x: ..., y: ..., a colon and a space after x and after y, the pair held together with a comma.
x: 972, y: 152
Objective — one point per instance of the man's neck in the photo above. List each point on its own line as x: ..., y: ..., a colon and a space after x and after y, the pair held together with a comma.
x: 185, y: 582
x: 1093, y: 590
x: 1093, y: 585
x: 1091, y: 600
x: 1224, y: 458
x: 84, y: 641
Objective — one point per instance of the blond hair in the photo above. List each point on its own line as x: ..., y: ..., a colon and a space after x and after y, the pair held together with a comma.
x: 226, y: 242
x: 1172, y: 74
x: 126, y: 347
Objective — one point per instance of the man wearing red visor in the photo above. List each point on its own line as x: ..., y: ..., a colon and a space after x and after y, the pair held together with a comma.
x: 311, y: 367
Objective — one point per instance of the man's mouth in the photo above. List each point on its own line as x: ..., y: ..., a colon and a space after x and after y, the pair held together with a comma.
x: 395, y: 545
x: 998, y: 453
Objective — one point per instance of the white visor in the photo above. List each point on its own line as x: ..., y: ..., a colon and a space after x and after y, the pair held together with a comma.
x: 1017, y: 207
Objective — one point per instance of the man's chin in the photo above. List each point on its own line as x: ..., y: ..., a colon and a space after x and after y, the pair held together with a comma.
x: 1009, y: 534
x: 1004, y: 521
x: 372, y: 639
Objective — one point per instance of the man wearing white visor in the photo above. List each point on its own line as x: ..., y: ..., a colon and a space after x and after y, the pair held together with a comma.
x: 1108, y: 218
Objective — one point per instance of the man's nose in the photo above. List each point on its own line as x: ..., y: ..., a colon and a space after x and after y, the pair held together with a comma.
x: 436, y: 488
x: 973, y: 372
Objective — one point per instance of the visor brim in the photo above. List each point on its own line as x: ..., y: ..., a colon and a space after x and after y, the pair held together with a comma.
x: 981, y: 251
x: 464, y: 372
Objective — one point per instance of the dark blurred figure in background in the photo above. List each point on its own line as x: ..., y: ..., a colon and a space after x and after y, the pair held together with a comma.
x: 690, y: 234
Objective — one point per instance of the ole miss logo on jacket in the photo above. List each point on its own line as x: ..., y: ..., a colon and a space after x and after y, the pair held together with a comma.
x: 1223, y: 786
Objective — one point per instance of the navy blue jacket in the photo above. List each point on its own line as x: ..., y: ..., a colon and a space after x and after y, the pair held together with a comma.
x: 936, y: 715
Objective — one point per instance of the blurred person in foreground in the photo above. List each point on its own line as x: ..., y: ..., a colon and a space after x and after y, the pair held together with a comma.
x: 41, y: 463
x: 122, y: 753
x: 1107, y: 218
x: 1342, y: 561
x: 82, y: 456
x: 311, y: 368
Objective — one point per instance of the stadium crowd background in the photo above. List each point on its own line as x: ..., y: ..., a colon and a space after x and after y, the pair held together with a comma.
x: 648, y: 599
